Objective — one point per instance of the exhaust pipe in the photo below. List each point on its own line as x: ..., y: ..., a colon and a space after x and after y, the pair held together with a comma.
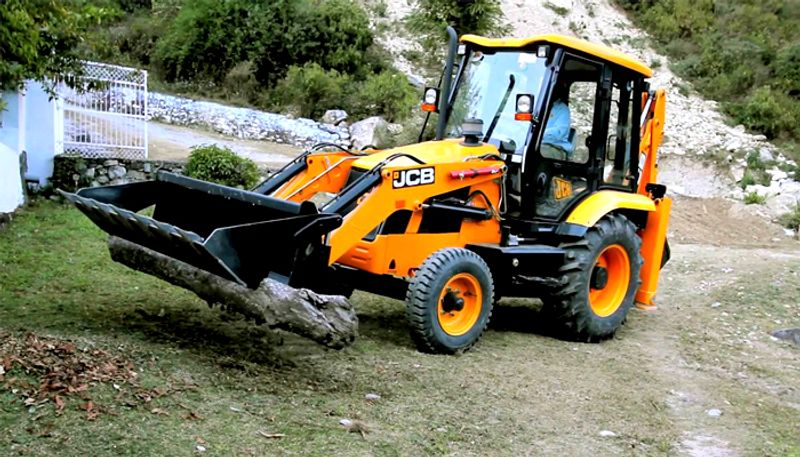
x: 447, y: 81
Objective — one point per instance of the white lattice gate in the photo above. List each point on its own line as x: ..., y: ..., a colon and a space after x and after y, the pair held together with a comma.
x: 109, y: 117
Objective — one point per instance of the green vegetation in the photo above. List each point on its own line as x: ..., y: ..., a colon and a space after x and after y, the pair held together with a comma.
x: 222, y: 165
x: 38, y: 40
x: 310, y: 90
x: 754, y: 198
x: 755, y: 172
x: 560, y: 10
x: 791, y: 220
x: 430, y: 18
x: 744, y: 54
x: 304, y: 56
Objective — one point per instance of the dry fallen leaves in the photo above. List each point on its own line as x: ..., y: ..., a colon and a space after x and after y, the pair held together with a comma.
x: 60, y: 368
x: 91, y: 413
x: 271, y: 435
x: 192, y: 416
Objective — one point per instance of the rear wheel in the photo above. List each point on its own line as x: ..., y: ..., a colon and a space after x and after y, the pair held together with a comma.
x: 601, y: 275
x: 449, y: 301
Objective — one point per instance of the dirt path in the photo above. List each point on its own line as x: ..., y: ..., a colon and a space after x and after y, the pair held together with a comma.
x: 171, y: 142
x: 712, y: 349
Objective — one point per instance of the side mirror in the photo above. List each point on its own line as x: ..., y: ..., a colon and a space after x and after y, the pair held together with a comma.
x: 524, y: 108
x: 430, y: 100
x: 508, y: 146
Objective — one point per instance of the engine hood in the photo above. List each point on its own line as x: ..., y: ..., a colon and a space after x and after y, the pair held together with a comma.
x: 430, y: 152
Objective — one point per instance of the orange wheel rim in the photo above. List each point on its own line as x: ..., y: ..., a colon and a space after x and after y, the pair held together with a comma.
x: 460, y: 304
x: 607, y: 299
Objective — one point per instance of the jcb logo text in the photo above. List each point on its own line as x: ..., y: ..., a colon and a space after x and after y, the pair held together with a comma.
x: 413, y: 177
x: 563, y: 188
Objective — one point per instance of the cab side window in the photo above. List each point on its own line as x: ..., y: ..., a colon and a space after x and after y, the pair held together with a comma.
x: 616, y: 166
x: 572, y: 110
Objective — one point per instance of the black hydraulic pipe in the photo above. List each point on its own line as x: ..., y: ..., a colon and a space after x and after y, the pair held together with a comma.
x: 280, y: 177
x: 467, y: 212
x: 447, y: 78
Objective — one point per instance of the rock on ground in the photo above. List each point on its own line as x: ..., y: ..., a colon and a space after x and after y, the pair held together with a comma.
x: 365, y: 133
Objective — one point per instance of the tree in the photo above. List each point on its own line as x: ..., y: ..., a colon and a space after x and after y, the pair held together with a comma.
x: 38, y: 40
x: 431, y: 17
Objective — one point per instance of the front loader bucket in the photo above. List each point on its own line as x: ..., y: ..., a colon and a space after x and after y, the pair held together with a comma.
x: 236, y: 234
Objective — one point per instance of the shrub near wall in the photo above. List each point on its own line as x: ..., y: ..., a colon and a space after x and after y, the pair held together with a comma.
x: 222, y: 165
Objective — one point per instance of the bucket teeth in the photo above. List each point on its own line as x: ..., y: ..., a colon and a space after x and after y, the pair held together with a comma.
x: 162, y: 237
x: 238, y: 235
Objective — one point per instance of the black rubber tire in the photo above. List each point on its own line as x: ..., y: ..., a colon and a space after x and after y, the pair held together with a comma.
x: 423, y: 294
x: 568, y: 309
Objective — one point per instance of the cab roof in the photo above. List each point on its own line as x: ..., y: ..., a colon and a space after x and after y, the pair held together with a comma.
x: 598, y: 50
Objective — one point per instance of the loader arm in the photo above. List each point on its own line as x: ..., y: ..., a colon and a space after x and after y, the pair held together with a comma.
x: 386, y: 198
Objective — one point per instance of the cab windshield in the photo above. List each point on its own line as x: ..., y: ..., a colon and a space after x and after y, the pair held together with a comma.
x: 487, y: 90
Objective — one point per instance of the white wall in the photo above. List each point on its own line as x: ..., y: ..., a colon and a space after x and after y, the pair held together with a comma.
x: 12, y: 140
x: 10, y: 120
x: 42, y: 140
x: 10, y: 182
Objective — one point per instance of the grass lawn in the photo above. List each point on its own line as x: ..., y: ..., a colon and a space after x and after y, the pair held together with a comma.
x: 212, y: 380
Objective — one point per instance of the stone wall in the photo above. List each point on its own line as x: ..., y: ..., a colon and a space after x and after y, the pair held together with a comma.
x: 73, y: 172
x: 244, y: 123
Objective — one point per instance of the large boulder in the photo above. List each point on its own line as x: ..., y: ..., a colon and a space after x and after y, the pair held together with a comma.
x: 366, y: 133
x: 781, y: 204
x: 334, y: 116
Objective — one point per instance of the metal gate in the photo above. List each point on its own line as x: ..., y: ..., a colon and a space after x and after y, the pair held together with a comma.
x: 107, y: 117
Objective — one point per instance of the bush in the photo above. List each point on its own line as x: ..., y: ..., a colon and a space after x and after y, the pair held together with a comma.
x: 221, y: 165
x: 670, y: 19
x: 240, y: 83
x: 754, y: 198
x: 431, y: 17
x: 340, y: 34
x: 768, y: 112
x: 787, y: 67
x: 310, y: 90
x: 207, y: 38
x: 134, y: 39
x: 791, y: 220
x: 388, y: 93
x: 743, y: 54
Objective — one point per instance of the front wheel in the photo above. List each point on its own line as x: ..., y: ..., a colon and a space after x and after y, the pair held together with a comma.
x: 449, y: 301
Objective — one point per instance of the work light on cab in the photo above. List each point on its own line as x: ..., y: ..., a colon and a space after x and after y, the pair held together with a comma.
x: 430, y: 99
x: 524, y: 107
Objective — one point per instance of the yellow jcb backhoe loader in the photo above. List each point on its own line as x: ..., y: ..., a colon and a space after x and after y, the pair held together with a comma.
x: 540, y: 182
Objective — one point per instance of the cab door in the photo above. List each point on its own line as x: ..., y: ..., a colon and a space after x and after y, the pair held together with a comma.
x: 570, y: 144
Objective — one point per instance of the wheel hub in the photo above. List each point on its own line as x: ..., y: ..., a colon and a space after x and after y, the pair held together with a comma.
x: 452, y: 301
x: 609, y: 280
x: 599, y: 278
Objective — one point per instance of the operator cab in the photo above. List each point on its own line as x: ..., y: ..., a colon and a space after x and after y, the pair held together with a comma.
x: 561, y: 113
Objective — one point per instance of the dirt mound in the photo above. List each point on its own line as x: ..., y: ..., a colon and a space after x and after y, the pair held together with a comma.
x: 723, y: 222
